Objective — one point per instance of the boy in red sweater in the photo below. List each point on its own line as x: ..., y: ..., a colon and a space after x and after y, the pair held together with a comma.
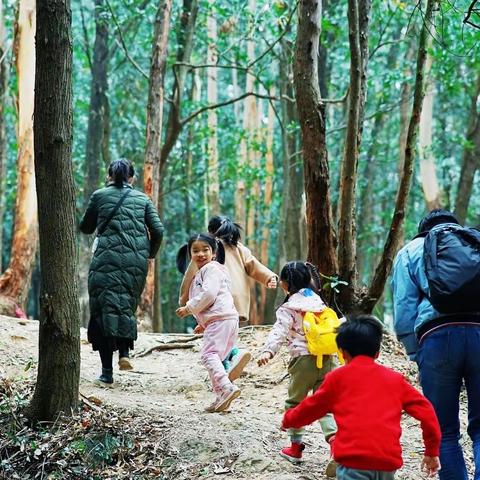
x: 367, y: 401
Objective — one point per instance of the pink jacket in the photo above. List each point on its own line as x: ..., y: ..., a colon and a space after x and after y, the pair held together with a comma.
x: 289, y: 324
x: 209, y: 295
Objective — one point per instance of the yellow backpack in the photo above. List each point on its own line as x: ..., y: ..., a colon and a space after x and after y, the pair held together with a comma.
x: 319, y: 328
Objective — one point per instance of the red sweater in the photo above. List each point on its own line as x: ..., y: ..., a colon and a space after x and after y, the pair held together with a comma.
x: 367, y: 400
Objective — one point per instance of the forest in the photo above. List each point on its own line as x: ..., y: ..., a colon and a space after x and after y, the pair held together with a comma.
x: 334, y: 153
x: 327, y: 129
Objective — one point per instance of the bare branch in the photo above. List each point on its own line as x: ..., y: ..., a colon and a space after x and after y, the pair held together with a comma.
x: 223, y: 104
x: 471, y: 10
x: 122, y: 42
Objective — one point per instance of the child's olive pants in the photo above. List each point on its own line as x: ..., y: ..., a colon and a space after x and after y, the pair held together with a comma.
x: 306, y: 377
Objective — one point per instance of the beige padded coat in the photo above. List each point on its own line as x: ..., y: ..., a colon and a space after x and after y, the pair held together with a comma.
x: 241, y: 265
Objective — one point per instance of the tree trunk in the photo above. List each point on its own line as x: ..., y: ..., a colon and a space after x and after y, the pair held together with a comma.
x: 56, y: 389
x: 96, y: 144
x: 151, y: 171
x: 212, y: 98
x: 249, y: 114
x: 391, y: 244
x: 98, y: 102
x: 15, y: 281
x: 3, y: 138
x: 347, y: 228
x: 320, y: 231
x: 471, y: 157
x: 267, y: 205
x: 428, y: 175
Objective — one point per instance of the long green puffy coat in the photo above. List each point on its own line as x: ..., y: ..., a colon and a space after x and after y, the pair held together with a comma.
x: 119, y: 265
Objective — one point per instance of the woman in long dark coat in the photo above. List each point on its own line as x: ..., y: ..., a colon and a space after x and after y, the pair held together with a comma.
x: 129, y: 232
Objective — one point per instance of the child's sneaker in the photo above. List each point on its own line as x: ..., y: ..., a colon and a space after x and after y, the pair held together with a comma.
x: 293, y: 453
x: 211, y: 408
x: 226, y: 398
x: 124, y: 363
x: 238, y: 363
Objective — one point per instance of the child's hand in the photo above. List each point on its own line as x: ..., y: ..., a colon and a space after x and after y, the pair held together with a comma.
x: 272, y: 283
x: 182, y: 312
x: 264, y: 358
x: 199, y: 329
x: 431, y: 465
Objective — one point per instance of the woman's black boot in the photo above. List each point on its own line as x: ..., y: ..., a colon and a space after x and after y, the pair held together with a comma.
x: 106, y: 378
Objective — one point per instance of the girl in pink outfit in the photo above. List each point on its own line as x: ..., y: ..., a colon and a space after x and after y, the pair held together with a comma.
x: 211, y: 303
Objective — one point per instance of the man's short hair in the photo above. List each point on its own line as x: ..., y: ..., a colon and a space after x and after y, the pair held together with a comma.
x: 436, y: 217
x: 360, y: 335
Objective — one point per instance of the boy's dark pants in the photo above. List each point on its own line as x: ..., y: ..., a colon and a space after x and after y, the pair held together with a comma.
x: 344, y: 473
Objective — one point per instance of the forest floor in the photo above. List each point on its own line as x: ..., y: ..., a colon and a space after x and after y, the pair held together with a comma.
x: 158, y: 407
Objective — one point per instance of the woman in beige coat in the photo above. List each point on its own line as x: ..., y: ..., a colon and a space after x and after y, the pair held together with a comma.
x: 241, y: 265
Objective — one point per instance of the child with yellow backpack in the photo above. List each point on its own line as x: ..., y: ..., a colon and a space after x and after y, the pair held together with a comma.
x: 308, y: 326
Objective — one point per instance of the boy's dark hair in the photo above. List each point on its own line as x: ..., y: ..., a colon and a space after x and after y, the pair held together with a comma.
x: 298, y: 275
x: 120, y: 171
x: 223, y: 228
x: 184, y: 253
x: 434, y: 218
x: 360, y: 335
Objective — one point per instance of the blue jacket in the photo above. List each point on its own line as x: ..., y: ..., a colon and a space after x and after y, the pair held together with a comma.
x: 411, y: 307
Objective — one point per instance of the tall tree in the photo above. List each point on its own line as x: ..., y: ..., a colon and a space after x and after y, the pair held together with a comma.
x: 392, y: 242
x: 213, y: 185
x: 56, y: 389
x: 99, y: 108
x: 151, y: 314
x: 358, y: 11
x: 3, y: 137
x: 97, y: 140
x: 321, y: 238
x: 15, y: 281
x: 428, y: 174
x: 471, y: 156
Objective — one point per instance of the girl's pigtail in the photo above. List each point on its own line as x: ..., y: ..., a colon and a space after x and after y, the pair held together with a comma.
x: 228, y: 231
x: 220, y: 253
x: 316, y: 279
x: 182, y: 259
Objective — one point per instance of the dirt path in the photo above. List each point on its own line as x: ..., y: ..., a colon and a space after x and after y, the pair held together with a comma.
x: 172, y: 385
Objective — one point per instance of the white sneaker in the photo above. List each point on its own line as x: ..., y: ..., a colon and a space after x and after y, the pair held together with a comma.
x: 226, y: 398
x: 238, y: 363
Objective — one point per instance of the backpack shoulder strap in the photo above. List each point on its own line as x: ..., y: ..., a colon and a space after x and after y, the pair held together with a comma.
x: 102, y: 228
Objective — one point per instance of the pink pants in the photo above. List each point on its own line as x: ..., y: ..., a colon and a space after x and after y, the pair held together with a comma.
x: 218, y: 340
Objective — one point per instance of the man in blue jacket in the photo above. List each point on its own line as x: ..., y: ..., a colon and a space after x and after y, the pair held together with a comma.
x: 446, y: 348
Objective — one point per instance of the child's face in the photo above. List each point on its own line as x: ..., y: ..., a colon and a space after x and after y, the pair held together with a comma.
x: 201, y: 253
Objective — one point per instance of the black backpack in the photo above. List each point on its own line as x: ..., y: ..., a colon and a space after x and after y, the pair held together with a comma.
x: 452, y: 266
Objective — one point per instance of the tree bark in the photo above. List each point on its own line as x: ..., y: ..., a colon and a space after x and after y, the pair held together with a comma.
x: 56, y: 389
x: 97, y: 141
x: 249, y: 116
x: 152, y: 167
x: 391, y: 244
x: 212, y: 98
x: 98, y: 102
x: 428, y: 175
x: 347, y: 228
x: 3, y: 138
x: 15, y: 281
x: 320, y: 232
x: 471, y: 157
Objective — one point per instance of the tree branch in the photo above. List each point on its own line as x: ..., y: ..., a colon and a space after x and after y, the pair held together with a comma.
x: 223, y: 104
x: 85, y: 35
x: 122, y: 42
x: 469, y: 14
